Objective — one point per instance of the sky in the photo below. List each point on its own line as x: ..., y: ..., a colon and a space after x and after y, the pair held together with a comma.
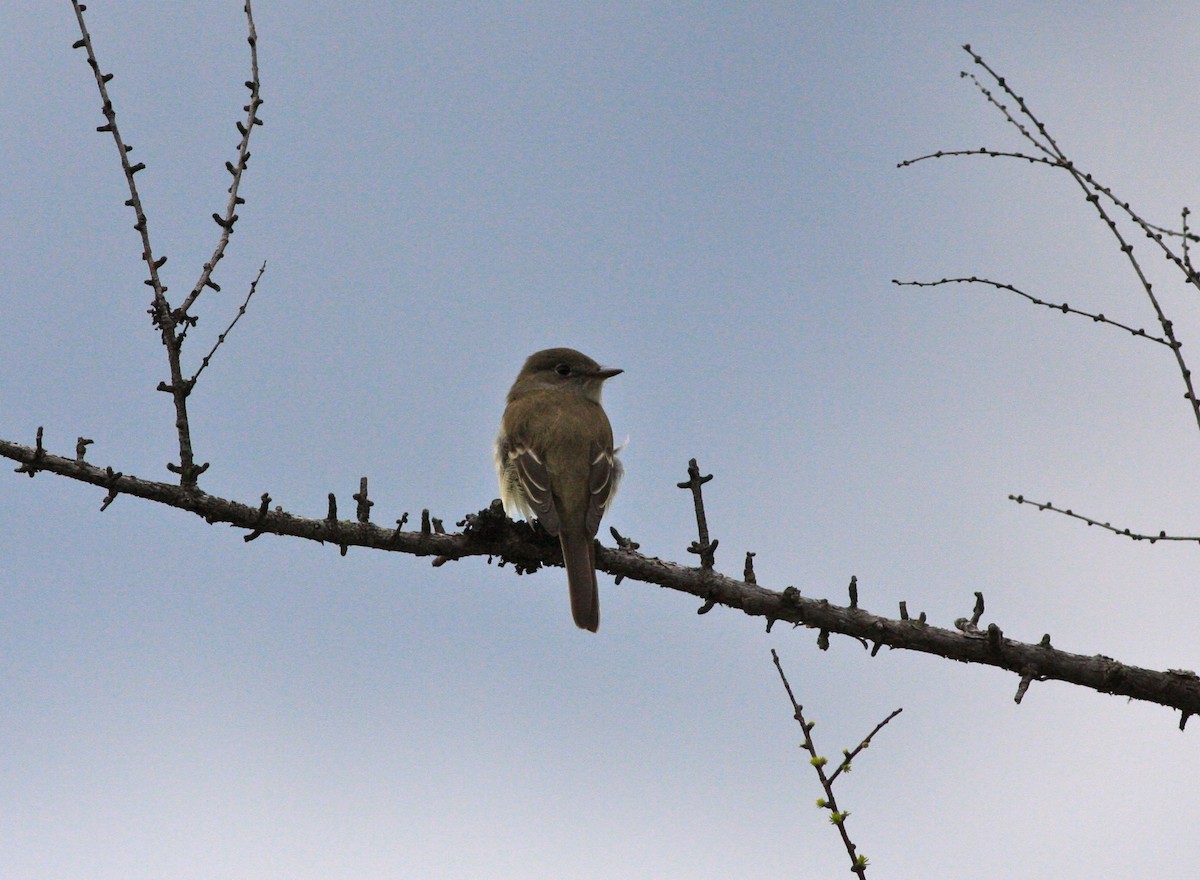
x: 705, y: 195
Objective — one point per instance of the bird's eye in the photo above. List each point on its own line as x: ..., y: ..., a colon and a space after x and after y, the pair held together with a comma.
x: 563, y: 370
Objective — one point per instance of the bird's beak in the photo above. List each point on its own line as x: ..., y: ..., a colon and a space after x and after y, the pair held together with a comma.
x: 607, y: 372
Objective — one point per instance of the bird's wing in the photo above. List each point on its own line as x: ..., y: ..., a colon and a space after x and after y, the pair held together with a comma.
x: 535, y: 481
x: 603, y: 477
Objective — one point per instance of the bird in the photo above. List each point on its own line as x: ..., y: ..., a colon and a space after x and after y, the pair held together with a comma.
x: 555, y: 461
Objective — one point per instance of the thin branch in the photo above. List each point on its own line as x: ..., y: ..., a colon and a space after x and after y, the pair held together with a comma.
x: 1181, y: 233
x: 1187, y: 237
x: 221, y: 339
x: 1152, y: 230
x: 160, y: 310
x: 981, y: 151
x: 866, y: 743
x: 1136, y: 536
x: 229, y: 217
x: 837, y: 817
x: 1050, y: 147
x: 1058, y: 307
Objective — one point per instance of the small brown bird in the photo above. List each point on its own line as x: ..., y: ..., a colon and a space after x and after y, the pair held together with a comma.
x: 555, y: 460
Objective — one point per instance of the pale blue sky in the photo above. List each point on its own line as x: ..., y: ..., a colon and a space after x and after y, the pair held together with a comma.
x: 705, y: 195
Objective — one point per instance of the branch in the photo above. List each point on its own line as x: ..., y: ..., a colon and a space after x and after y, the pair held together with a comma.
x: 1098, y: 195
x: 981, y: 151
x: 849, y: 756
x: 221, y: 339
x: 1046, y: 505
x: 228, y: 218
x: 704, y: 548
x: 858, y: 862
x: 173, y: 324
x: 490, y: 533
x: 1099, y: 318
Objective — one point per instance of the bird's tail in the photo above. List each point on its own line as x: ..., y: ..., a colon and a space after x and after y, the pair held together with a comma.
x: 578, y: 550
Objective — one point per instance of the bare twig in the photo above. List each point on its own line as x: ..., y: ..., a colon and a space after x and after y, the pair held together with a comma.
x: 1099, y: 318
x: 1187, y: 238
x: 1127, y: 533
x: 229, y: 217
x: 981, y: 151
x: 703, y: 548
x: 363, y: 503
x: 81, y: 446
x: 221, y: 339
x: 31, y: 463
x: 849, y: 756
